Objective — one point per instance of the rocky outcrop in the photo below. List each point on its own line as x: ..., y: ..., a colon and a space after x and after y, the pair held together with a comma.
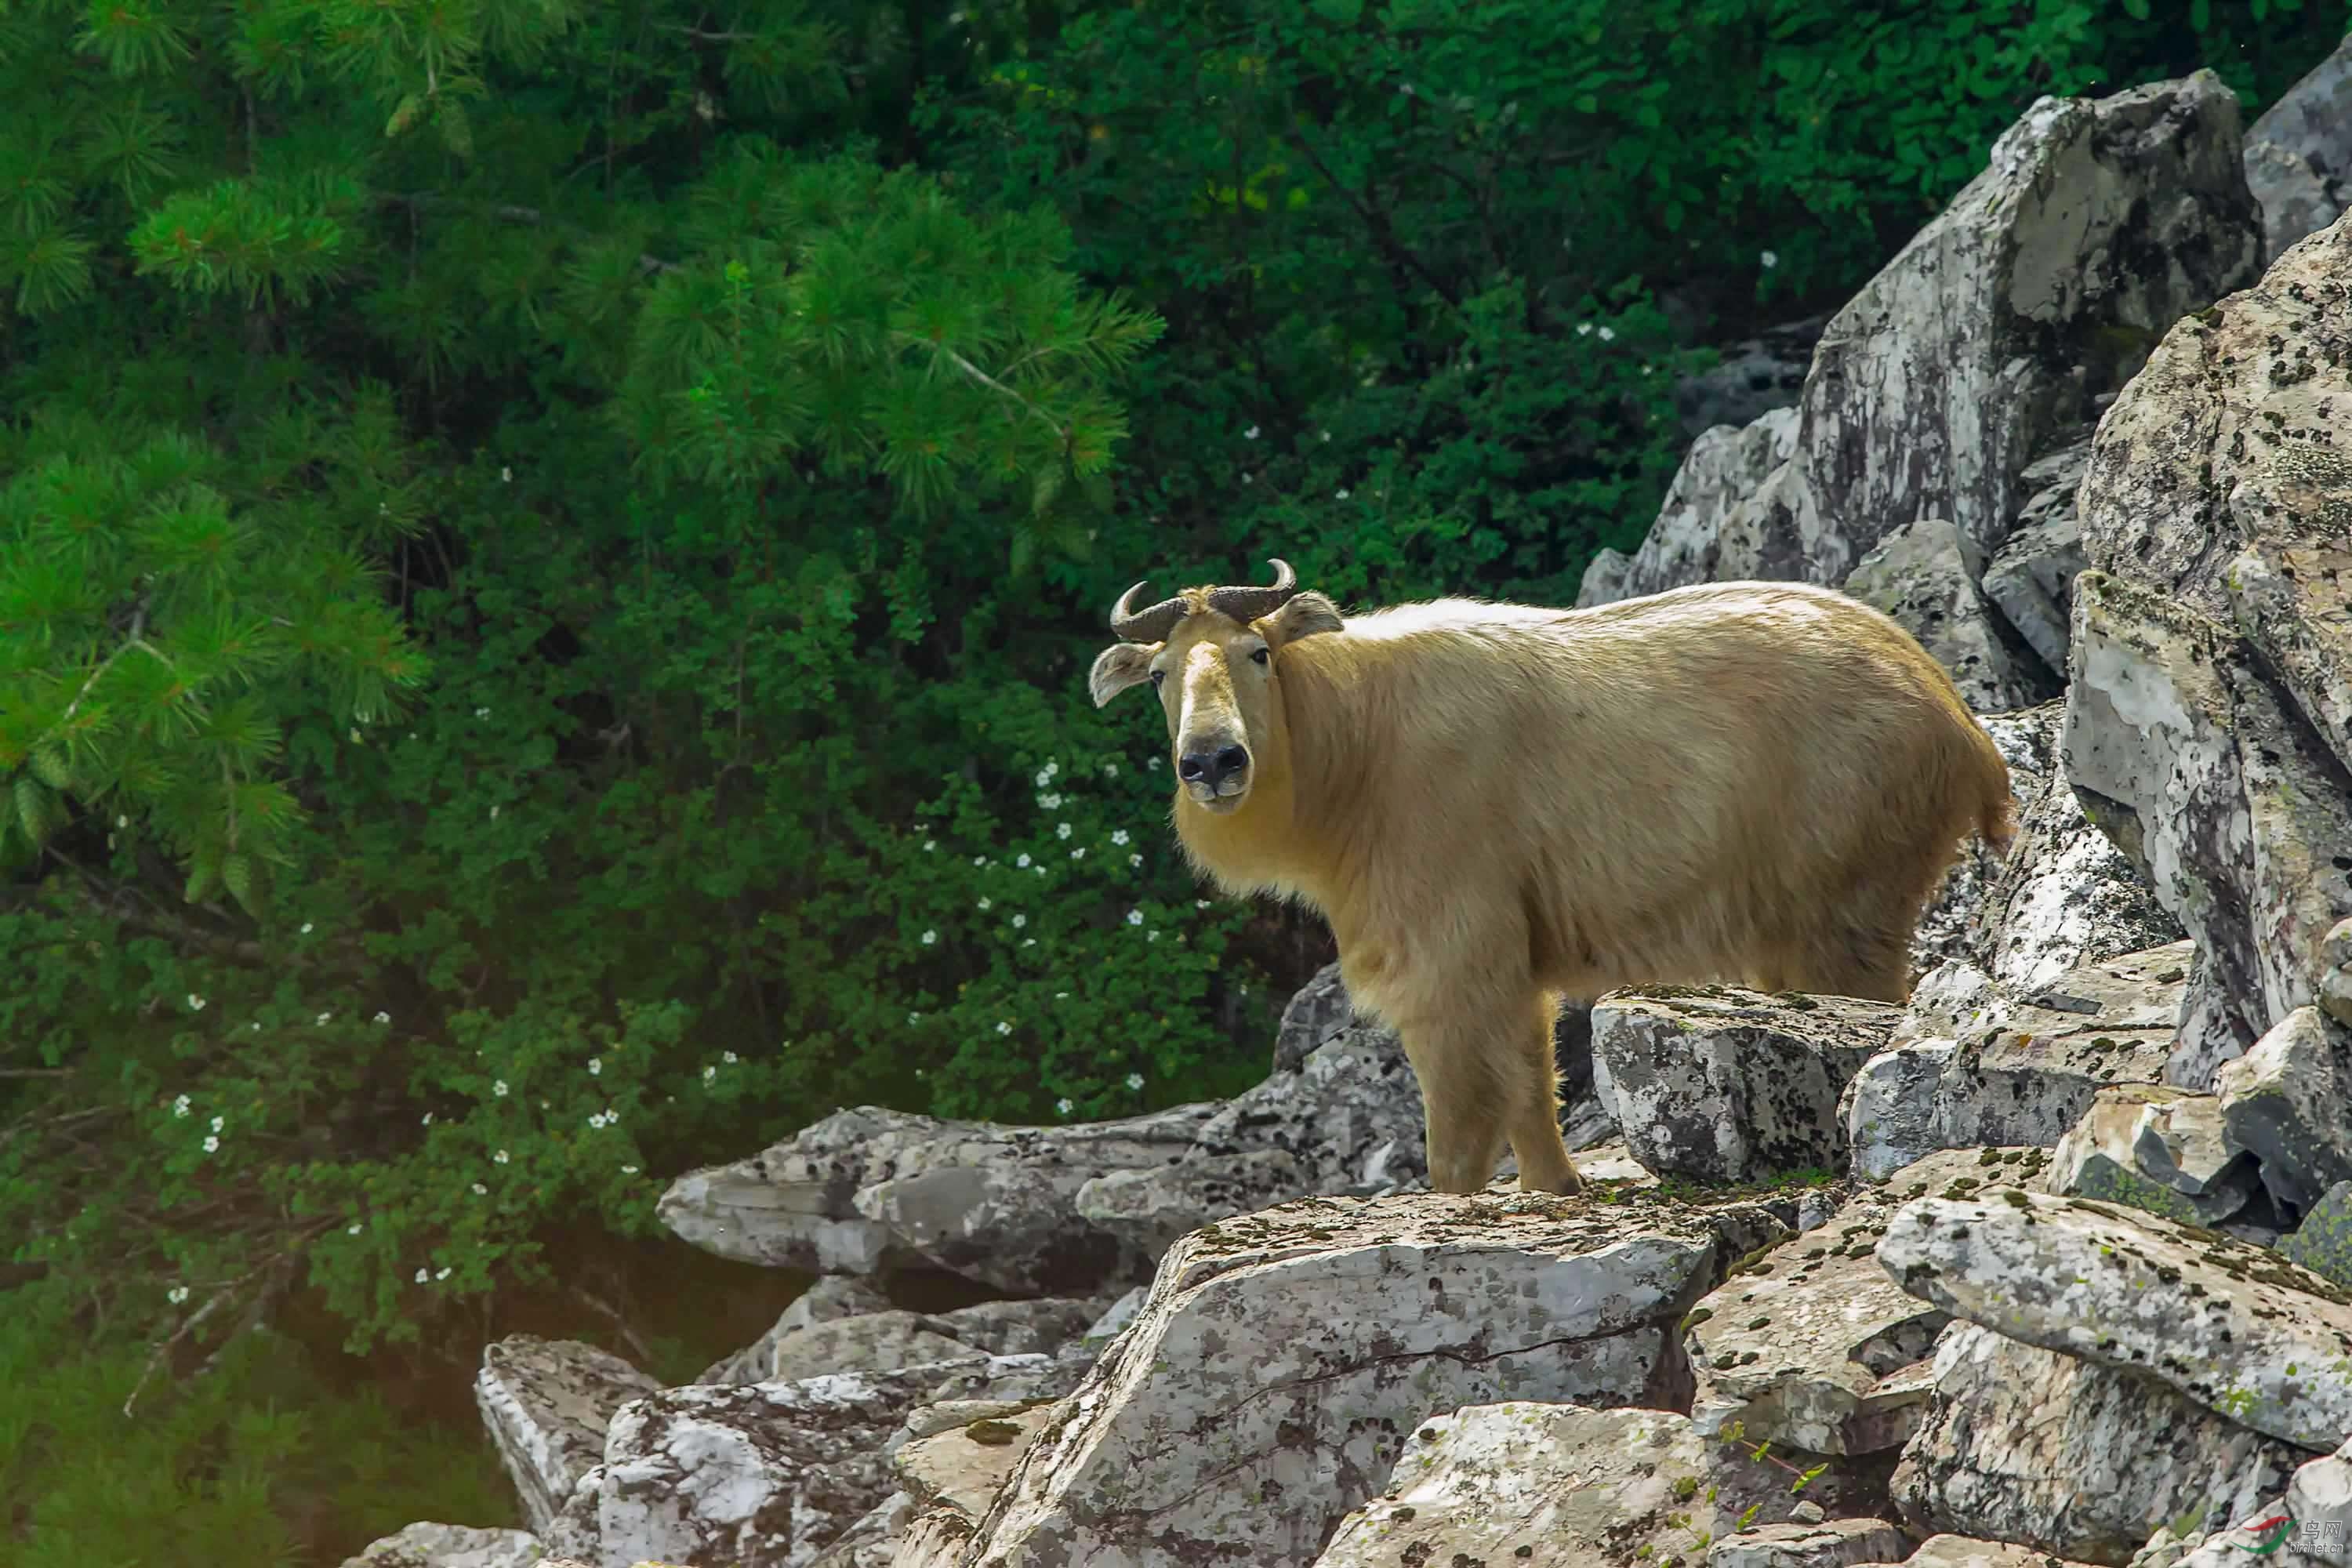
x: 2158, y: 1149
x: 547, y: 1403
x: 2299, y: 154
x: 2032, y: 579
x: 1730, y: 1085
x: 2027, y: 1444
x: 2096, y: 225
x: 1270, y: 1382
x: 449, y: 1546
x: 2227, y: 1325
x: 1925, y: 574
x: 1587, y: 1489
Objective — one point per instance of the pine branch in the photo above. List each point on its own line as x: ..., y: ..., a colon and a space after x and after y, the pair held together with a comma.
x: 982, y: 376
x: 507, y: 211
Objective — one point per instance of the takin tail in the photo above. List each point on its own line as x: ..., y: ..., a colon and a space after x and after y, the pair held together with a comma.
x: 1996, y: 812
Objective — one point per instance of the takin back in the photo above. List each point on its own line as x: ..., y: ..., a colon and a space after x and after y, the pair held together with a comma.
x: 1498, y: 806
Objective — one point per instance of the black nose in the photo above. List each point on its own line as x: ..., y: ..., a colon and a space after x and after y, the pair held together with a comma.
x: 1212, y: 769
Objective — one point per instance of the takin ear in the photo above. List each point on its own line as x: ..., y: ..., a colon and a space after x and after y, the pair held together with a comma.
x: 1117, y: 668
x: 1305, y: 615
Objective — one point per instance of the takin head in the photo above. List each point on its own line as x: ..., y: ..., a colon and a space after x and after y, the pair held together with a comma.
x: 1215, y: 654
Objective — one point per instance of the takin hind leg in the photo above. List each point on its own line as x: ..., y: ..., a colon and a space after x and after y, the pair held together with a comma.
x: 1487, y: 1076
x: 1863, y: 956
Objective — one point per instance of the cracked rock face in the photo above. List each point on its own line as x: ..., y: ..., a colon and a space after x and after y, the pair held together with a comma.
x: 2285, y: 1101
x: 2032, y: 579
x: 2025, y: 1445
x: 1924, y: 575
x: 1811, y: 1346
x: 2323, y: 1242
x: 1962, y: 1551
x: 2299, y: 154
x: 449, y: 1546
x: 2095, y: 226
x: 547, y: 1403
x: 1558, y: 1484
x: 2158, y: 1149
x: 2230, y: 1326
x: 1833, y: 1544
x: 1282, y: 1359
x: 1731, y: 1084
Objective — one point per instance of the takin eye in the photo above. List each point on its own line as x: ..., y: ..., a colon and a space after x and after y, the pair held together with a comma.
x: 1261, y: 654
x: 1158, y: 675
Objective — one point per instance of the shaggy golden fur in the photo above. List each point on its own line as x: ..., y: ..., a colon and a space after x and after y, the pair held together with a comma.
x: 1496, y: 806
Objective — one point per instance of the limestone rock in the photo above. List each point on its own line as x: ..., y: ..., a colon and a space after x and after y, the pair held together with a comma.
x: 965, y: 1467
x: 2026, y: 1444
x: 1316, y: 1012
x: 1717, y: 523
x: 1282, y: 1358
x: 2319, y: 1496
x: 1833, y: 1544
x: 2285, y: 1101
x: 2258, y: 380
x: 2026, y: 1071
x: 1801, y: 1346
x: 2291, y: 588
x: 547, y: 1403
x: 2095, y: 226
x: 2154, y: 1148
x: 2228, y: 1325
x: 2299, y: 154
x: 2323, y: 1242
x: 765, y: 1473
x: 1731, y: 1085
x: 1962, y: 1551
x: 2031, y: 578
x: 1924, y: 575
x: 430, y: 1545
x: 1891, y: 1110
x: 1497, y: 1483
x: 2336, y: 973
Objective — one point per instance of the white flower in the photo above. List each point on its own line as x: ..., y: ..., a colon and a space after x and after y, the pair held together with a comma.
x: 354, y: 1230
x: 176, y: 1294
x: 121, y: 822
x: 1022, y: 862
x: 979, y: 859
x: 1002, y: 1027
x: 494, y: 813
x: 254, y: 1027
x: 1135, y: 1080
x: 499, y: 1088
x: 481, y: 712
x: 1135, y: 859
x: 212, y: 1145
x: 628, y: 1170
x: 929, y: 937
x: 597, y: 1120
x: 1020, y: 921
x: 595, y: 1067
x: 1583, y: 329
x: 442, y: 1272
x: 1061, y: 830
x: 1339, y: 495
x: 709, y: 1073
x: 929, y: 845
x: 1052, y: 767
x: 356, y: 735
x: 1079, y: 853
x: 1770, y: 259
x: 218, y: 1122
x: 382, y: 1017
x: 1119, y: 835
x: 306, y: 928
x: 428, y: 1119
x: 423, y: 1274
x: 195, y: 1003
x: 1028, y: 941
x: 500, y: 1158
x: 1049, y: 802
x: 1250, y: 434
x: 1200, y: 904
x: 1249, y: 478
x: 180, y: 1106
x: 1153, y: 765
x: 1063, y: 1106
x: 325, y: 1018
x: 914, y: 1017
x: 1135, y: 917
x: 1037, y: 870
x: 982, y: 904
x: 1110, y: 770
x: 730, y: 1057
x: 506, y: 475
x: 1061, y: 996
x: 1608, y: 335
x: 1151, y: 936
x: 480, y: 1191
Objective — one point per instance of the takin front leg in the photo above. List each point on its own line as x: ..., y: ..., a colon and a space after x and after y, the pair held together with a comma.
x: 1487, y: 1076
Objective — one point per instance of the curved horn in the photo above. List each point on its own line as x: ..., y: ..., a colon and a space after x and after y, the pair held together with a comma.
x: 1246, y: 604
x: 1144, y: 626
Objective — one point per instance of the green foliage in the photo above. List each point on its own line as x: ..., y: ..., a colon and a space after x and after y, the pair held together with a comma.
x: 548, y: 555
